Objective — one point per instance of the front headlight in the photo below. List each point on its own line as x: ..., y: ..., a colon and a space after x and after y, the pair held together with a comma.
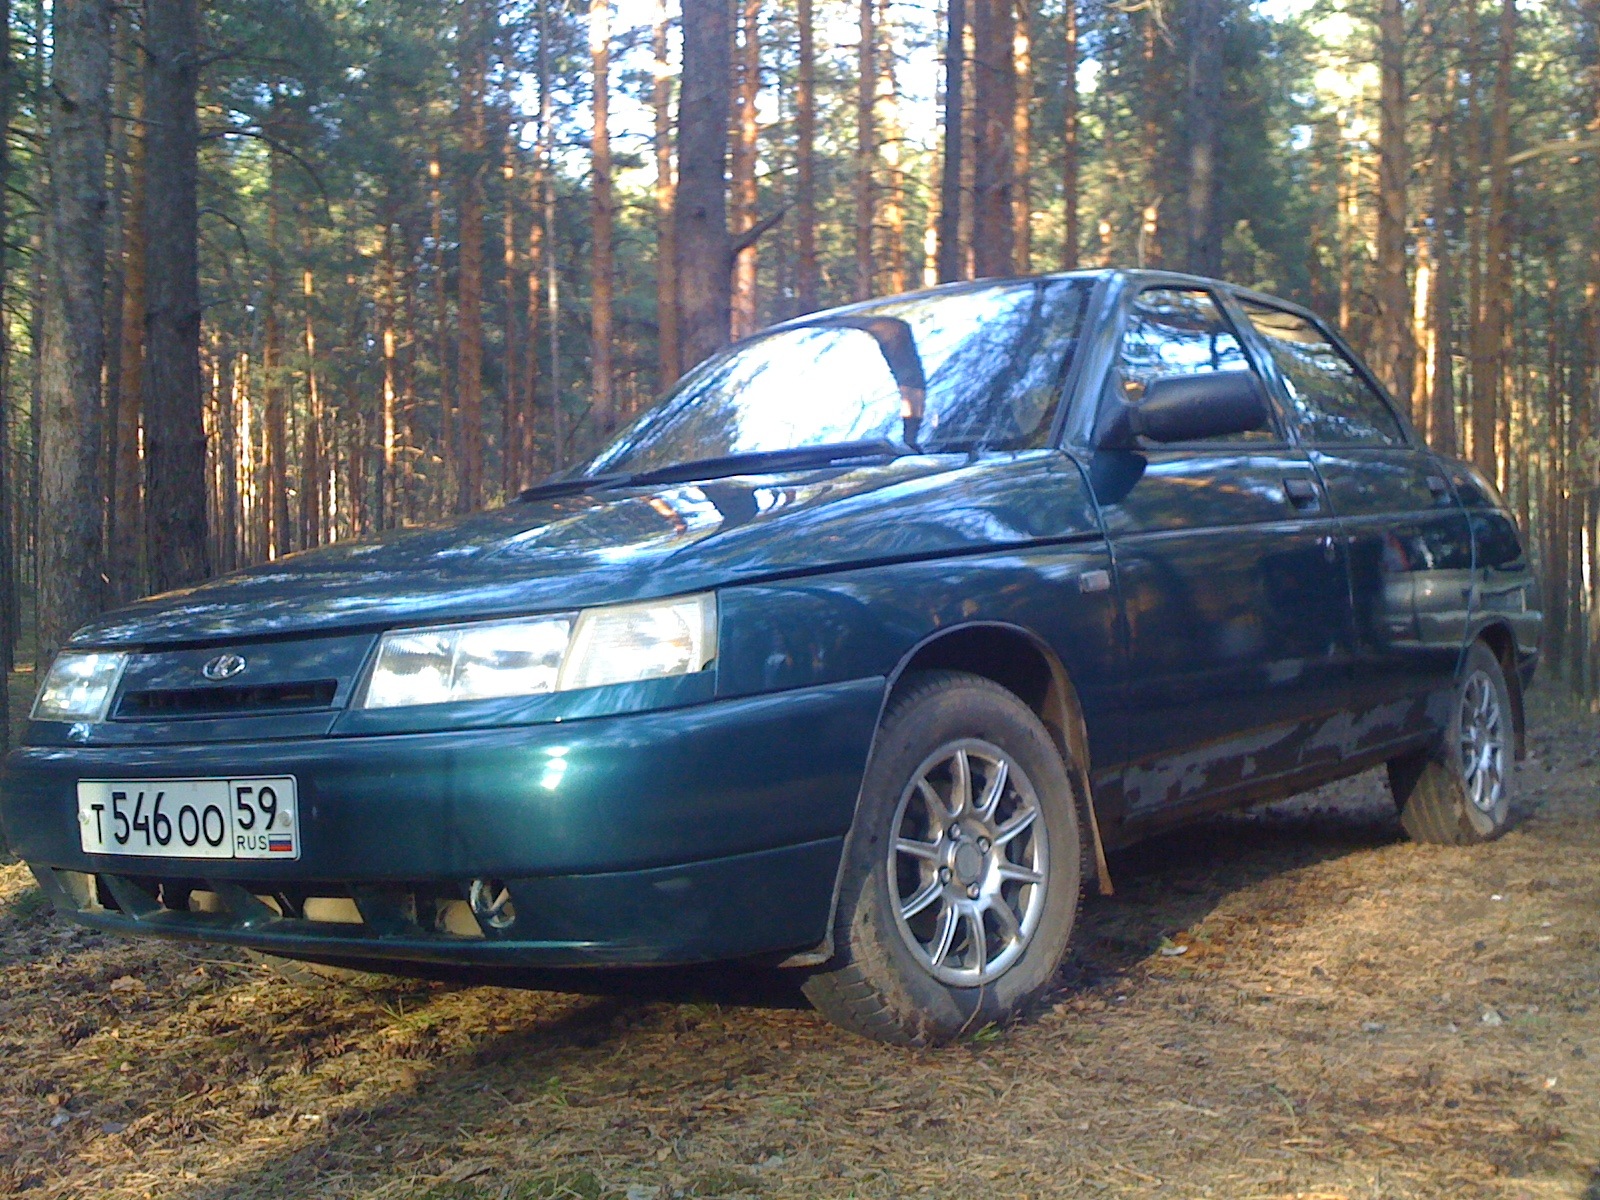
x: 79, y: 686
x: 498, y: 659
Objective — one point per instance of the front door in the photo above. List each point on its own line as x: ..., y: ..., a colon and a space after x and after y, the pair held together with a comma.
x: 1232, y: 581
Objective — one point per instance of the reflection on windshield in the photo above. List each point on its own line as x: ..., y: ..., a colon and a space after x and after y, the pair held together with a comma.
x: 976, y: 369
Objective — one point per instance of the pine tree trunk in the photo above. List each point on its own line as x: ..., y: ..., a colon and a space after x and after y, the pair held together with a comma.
x: 1022, y: 133
x: 547, y: 205
x: 666, y: 285
x: 703, y: 247
x: 174, y: 436
x: 477, y: 22
x: 512, y: 464
x: 893, y: 138
x: 807, y: 277
x: 866, y: 150
x: 1442, y: 293
x: 601, y: 382
x: 530, y: 362
x: 313, y: 485
x: 951, y: 266
x: 74, y: 336
x: 445, y: 470
x: 1152, y: 121
x: 995, y: 105
x: 1489, y: 368
x: 8, y: 494
x: 274, y: 434
x: 1204, y: 255
x: 125, y: 550
x: 747, y: 74
x: 388, y: 464
x: 1395, y: 355
x: 1071, y: 233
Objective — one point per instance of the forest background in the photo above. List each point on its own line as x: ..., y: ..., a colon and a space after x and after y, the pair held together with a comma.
x: 280, y: 272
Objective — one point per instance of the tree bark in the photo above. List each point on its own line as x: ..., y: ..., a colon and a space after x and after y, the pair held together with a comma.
x: 441, y: 340
x: 476, y: 23
x: 313, y: 484
x: 70, y: 585
x: 388, y: 460
x: 866, y: 150
x: 8, y: 495
x: 1395, y: 353
x: 274, y: 432
x: 703, y: 247
x: 995, y: 104
x: 512, y: 462
x: 1071, y: 231
x: 666, y: 285
x: 747, y: 74
x: 1441, y: 300
x: 955, y: 100
x: 175, y: 436
x: 600, y: 201
x: 1489, y: 371
x: 1204, y: 256
x: 1022, y: 132
x: 125, y: 550
x: 892, y: 137
x: 807, y: 277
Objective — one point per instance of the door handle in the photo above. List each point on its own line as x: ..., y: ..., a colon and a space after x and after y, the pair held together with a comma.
x: 1302, y: 493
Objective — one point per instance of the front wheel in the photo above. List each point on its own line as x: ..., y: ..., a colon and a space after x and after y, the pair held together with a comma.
x: 1459, y: 793
x: 961, y: 885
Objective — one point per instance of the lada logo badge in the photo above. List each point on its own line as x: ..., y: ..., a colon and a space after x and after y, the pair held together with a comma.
x: 223, y: 666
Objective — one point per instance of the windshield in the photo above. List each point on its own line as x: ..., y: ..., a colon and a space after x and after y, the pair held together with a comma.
x: 973, y: 370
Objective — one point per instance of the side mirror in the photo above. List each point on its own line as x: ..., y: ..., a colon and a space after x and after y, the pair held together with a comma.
x: 1191, y: 408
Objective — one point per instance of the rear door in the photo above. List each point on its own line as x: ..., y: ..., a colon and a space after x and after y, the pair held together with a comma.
x: 1231, y: 578
x: 1407, y: 537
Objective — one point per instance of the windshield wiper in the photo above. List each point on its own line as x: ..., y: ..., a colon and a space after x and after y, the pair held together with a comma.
x: 756, y: 461
x: 766, y: 461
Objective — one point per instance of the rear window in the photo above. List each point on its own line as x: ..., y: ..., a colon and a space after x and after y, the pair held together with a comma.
x: 1330, y: 401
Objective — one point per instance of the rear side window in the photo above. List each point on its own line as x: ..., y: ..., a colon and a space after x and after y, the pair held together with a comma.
x: 1330, y: 401
x: 1175, y: 332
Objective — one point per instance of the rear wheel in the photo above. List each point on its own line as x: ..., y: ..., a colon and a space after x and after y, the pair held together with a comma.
x: 1459, y: 793
x: 962, y: 881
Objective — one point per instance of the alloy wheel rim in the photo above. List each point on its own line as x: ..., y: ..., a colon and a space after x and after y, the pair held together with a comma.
x: 1482, y: 743
x: 968, y: 863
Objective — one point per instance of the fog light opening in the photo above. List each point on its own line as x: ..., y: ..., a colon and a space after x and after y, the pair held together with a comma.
x: 491, y: 903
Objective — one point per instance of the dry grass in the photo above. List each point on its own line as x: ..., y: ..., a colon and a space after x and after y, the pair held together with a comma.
x: 1352, y: 1016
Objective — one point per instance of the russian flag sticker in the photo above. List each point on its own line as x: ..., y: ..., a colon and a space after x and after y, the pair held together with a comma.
x: 280, y: 845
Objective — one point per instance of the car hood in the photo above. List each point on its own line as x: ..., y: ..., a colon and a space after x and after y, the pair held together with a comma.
x: 628, y: 544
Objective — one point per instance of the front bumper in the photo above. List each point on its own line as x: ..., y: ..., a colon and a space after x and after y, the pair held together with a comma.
x: 696, y: 834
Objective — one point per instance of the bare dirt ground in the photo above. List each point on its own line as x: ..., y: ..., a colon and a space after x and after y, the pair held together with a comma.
x: 1349, y: 1016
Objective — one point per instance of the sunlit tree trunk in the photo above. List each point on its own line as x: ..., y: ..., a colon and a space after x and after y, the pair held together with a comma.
x: 1071, y: 233
x: 477, y: 19
x: 1394, y: 354
x: 747, y: 75
x: 1022, y: 134
x: 512, y: 462
x: 666, y: 285
x: 893, y: 139
x: 274, y: 433
x: 807, y: 278
x: 1441, y: 298
x: 866, y: 149
x: 389, y: 343
x: 441, y: 341
x: 313, y: 487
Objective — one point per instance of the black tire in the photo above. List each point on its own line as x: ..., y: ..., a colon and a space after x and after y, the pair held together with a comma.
x: 1442, y: 800
x: 877, y: 985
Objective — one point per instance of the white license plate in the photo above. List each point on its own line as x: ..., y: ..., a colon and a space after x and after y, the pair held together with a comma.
x: 190, y: 818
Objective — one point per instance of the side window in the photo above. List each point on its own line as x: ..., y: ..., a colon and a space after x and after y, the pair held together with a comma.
x: 1178, y: 331
x: 1329, y: 399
